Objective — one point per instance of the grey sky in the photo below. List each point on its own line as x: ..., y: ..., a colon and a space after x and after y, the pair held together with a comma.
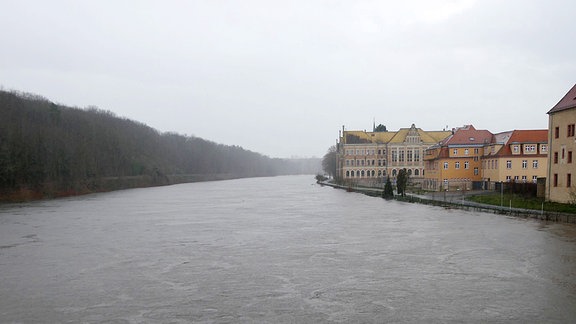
x: 282, y: 77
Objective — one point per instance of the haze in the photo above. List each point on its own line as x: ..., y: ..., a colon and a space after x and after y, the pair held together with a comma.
x: 282, y: 77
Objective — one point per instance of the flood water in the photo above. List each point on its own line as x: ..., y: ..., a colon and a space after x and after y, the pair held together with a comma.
x: 277, y: 250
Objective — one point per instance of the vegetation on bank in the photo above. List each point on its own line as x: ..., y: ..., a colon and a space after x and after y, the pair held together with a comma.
x: 522, y: 201
x: 49, y: 150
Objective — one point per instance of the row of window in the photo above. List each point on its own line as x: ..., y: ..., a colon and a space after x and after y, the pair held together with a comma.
x: 380, y: 173
x: 411, y: 156
x: 568, y: 180
x: 568, y: 156
x: 569, y: 132
x: 493, y: 164
x: 466, y: 151
x: 524, y: 178
x: 365, y: 152
x: 365, y: 162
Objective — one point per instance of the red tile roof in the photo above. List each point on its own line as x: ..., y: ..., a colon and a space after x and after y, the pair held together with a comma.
x: 533, y: 136
x: 469, y: 135
x: 567, y: 102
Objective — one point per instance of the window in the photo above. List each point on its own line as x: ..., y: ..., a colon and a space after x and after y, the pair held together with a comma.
x: 508, y: 178
x: 534, y: 164
x: 508, y: 164
x: 455, y: 151
x: 515, y: 149
x: 466, y: 165
x: 373, y: 173
x: 445, y: 165
x: 516, y: 178
x: 569, y: 157
x: 416, y: 172
x: 394, y: 172
x: 534, y: 179
x: 457, y: 165
x: 401, y: 155
x: 475, y: 159
x: 394, y: 156
x: 410, y: 155
x: 475, y: 171
x: 362, y: 162
x: 465, y: 151
x: 569, y: 180
x: 530, y: 148
x: 417, y: 155
x: 544, y: 148
x: 571, y: 130
x: 379, y: 173
x: 347, y: 174
x: 347, y: 162
x: 476, y: 151
x: 555, y: 183
x: 524, y: 178
x: 556, y: 132
x: 555, y: 157
x: 524, y: 164
x: 379, y: 152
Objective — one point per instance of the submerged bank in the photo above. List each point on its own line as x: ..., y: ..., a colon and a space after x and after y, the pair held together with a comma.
x: 458, y: 201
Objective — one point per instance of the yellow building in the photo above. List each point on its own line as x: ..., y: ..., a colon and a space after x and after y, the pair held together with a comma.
x: 369, y: 157
x: 562, y: 141
x: 516, y: 156
x: 455, y: 163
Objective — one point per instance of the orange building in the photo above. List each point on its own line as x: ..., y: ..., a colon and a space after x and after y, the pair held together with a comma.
x: 455, y: 163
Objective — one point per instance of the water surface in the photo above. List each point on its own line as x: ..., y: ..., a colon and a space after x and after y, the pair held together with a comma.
x: 277, y: 250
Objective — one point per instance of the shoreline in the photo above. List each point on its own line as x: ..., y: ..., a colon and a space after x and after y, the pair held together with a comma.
x: 457, y: 201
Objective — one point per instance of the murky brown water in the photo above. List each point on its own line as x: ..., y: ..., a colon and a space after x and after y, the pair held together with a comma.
x: 277, y: 250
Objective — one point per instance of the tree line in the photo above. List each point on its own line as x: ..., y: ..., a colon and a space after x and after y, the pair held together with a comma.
x: 48, y: 148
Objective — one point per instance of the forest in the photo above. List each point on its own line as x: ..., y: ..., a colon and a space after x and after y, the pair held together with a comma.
x: 50, y: 150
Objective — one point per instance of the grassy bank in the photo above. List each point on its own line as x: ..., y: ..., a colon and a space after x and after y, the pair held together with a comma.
x: 518, y: 201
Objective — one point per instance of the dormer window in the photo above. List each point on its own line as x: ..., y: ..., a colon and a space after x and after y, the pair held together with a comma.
x: 472, y: 139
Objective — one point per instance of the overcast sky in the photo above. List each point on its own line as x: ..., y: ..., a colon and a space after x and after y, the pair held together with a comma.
x: 282, y: 77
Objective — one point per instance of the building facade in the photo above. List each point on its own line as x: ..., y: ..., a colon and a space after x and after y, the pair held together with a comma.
x: 455, y: 163
x: 560, y: 185
x: 368, y: 158
x: 516, y: 156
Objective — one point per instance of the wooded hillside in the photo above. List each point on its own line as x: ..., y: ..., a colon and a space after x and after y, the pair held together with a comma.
x: 48, y: 149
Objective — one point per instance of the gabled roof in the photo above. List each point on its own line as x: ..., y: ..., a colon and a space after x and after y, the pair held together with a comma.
x: 363, y: 137
x: 567, y: 102
x: 468, y: 135
x: 535, y: 136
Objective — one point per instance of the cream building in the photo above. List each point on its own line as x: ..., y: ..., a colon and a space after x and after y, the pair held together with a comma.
x: 560, y: 185
x: 367, y: 158
x: 516, y: 156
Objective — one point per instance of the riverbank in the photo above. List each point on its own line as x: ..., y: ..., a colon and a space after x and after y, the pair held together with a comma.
x: 108, y: 184
x: 458, y: 200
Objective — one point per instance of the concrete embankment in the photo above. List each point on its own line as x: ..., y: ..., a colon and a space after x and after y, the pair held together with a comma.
x: 457, y: 200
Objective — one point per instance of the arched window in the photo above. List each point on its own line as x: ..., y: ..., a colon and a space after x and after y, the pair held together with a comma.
x: 416, y: 172
x: 373, y: 173
x: 357, y: 173
x: 347, y: 174
x: 394, y: 172
x: 362, y: 173
x: 409, y: 172
x: 379, y: 173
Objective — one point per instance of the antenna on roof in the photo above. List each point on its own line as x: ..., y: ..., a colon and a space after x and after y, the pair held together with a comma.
x: 373, y: 124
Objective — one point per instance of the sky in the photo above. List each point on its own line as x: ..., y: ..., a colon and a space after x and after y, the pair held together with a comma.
x: 282, y: 77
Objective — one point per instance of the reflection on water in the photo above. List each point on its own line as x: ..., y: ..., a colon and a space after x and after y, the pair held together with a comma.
x: 277, y: 250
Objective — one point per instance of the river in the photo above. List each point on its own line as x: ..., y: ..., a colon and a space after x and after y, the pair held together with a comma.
x: 277, y: 250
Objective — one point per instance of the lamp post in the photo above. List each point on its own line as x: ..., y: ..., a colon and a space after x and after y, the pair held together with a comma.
x: 501, y: 194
